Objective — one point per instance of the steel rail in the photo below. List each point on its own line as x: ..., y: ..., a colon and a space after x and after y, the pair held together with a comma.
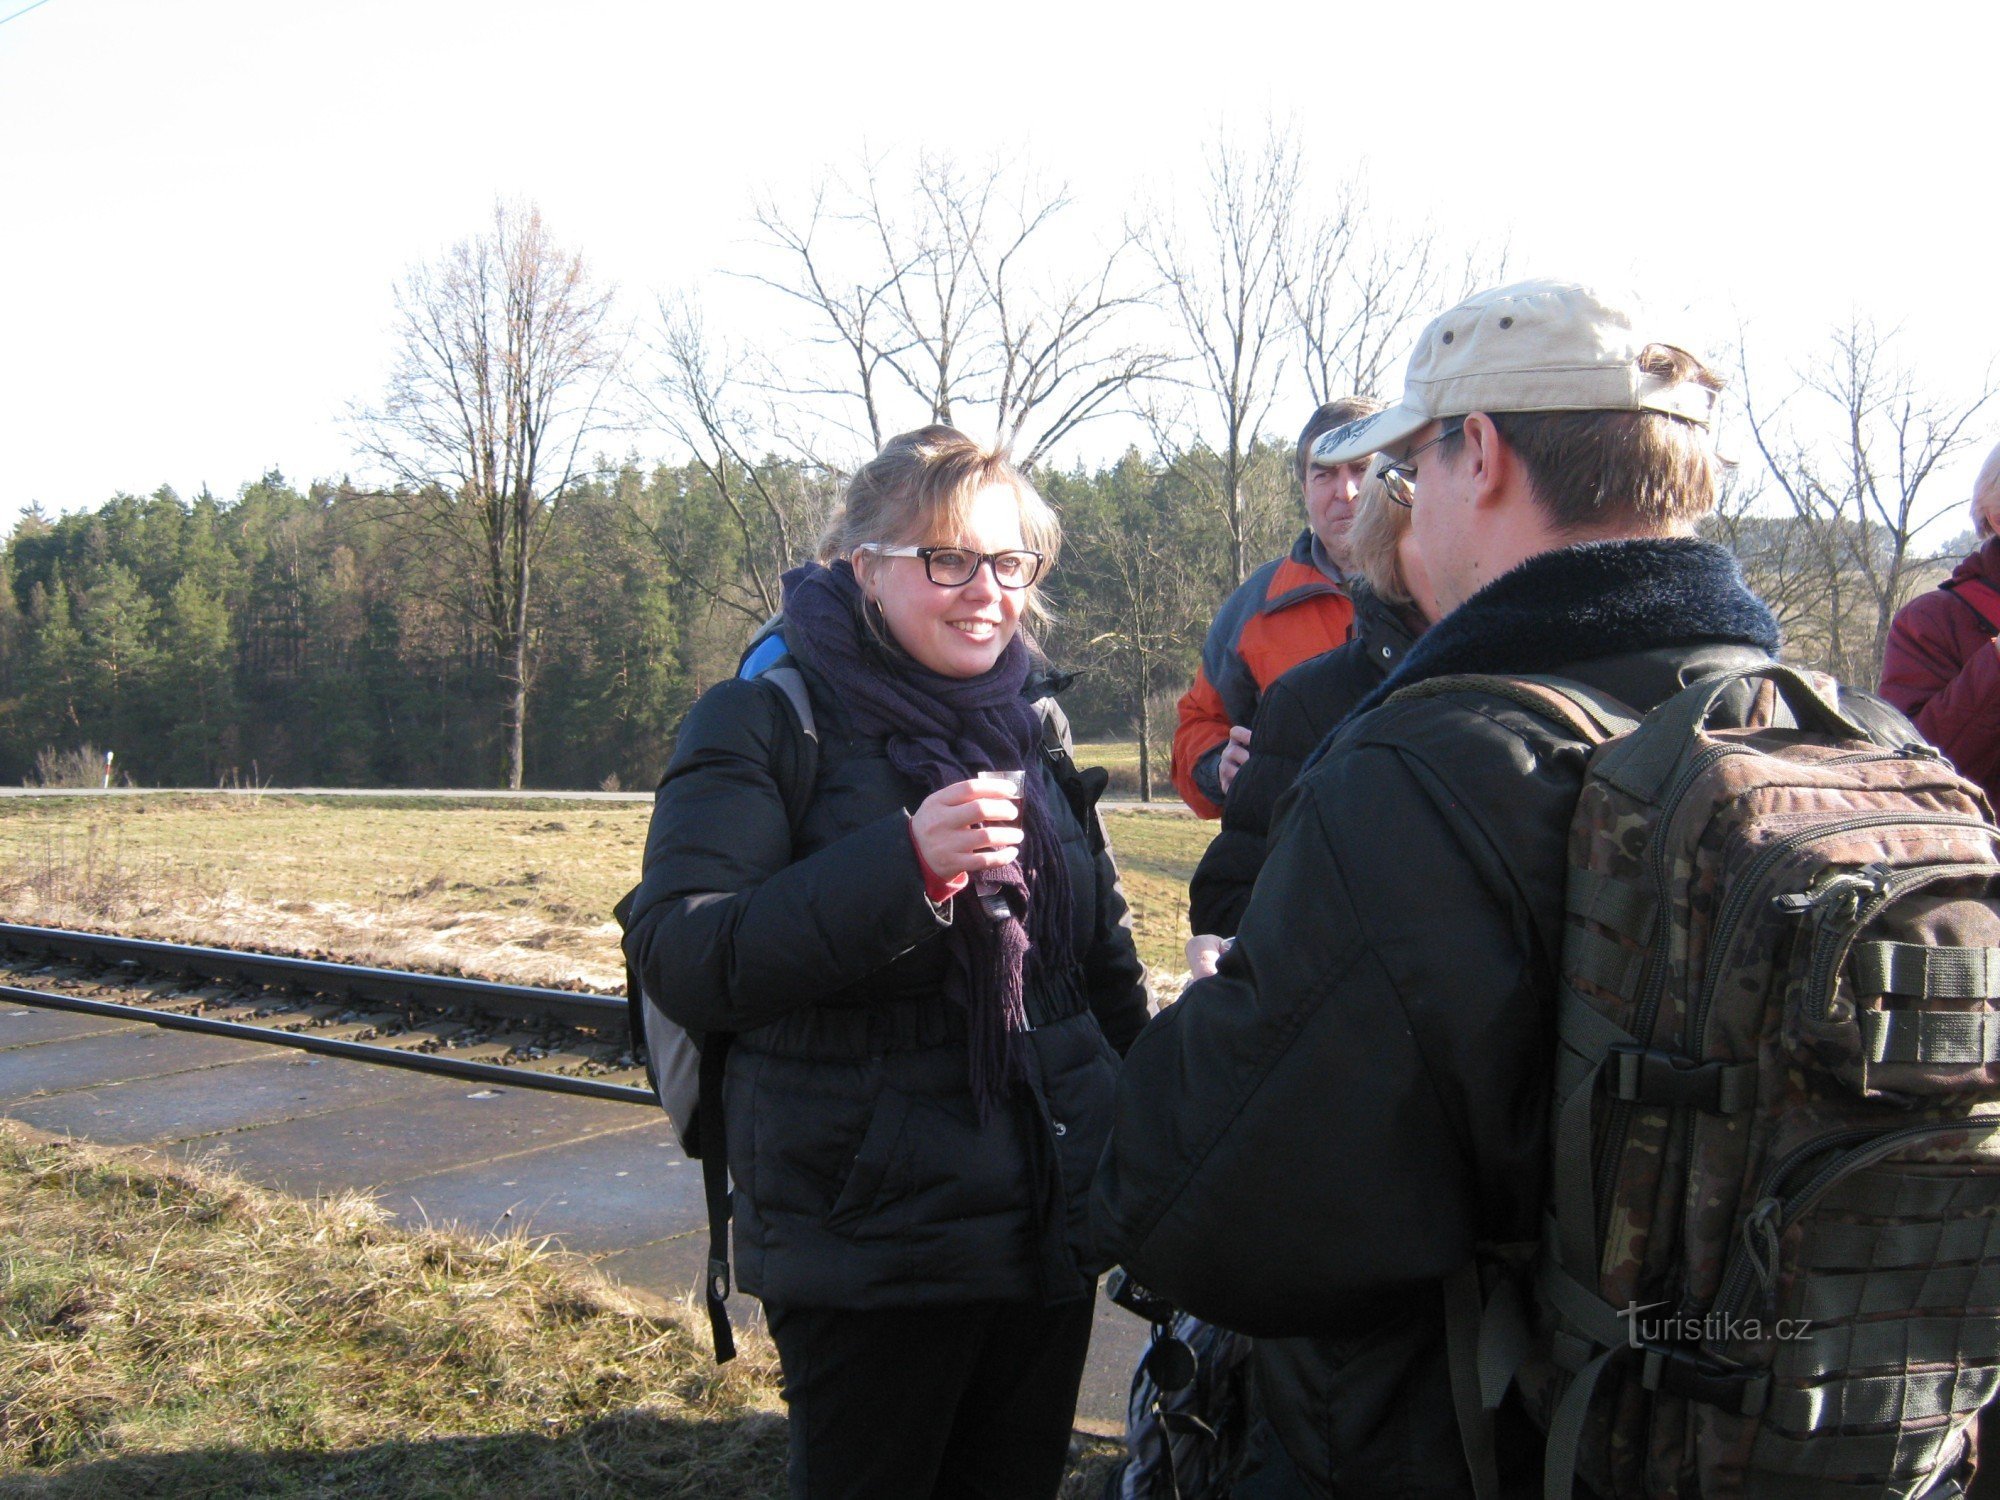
x: 355, y: 981
x: 389, y: 1057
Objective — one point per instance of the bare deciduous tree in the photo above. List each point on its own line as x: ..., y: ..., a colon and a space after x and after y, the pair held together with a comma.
x: 1852, y: 450
x: 1227, y: 290
x: 1135, y: 589
x: 504, y: 355
x: 1782, y: 560
x: 1359, y: 287
x: 942, y: 297
x: 698, y: 394
x: 855, y: 317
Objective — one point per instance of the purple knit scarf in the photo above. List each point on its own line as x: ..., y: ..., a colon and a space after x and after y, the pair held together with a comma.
x: 939, y: 730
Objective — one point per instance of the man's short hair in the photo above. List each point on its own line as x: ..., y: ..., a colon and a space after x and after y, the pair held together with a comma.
x: 1593, y: 468
x: 1334, y: 414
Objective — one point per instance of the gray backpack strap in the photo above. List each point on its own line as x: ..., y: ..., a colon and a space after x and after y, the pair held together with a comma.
x: 797, y: 779
x: 1487, y: 1339
x: 790, y: 681
x: 1463, y: 1314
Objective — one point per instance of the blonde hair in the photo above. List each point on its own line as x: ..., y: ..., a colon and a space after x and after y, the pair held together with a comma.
x: 919, y: 490
x: 1372, y: 538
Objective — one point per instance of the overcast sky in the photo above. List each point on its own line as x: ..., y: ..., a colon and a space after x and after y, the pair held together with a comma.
x: 208, y: 202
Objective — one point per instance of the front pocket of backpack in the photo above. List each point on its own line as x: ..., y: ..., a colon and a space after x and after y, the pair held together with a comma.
x: 1895, y: 985
x: 1866, y: 1286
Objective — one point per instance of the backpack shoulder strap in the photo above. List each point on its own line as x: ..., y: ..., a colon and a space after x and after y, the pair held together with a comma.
x: 1978, y: 596
x: 1578, y: 710
x: 1080, y: 788
x: 796, y: 769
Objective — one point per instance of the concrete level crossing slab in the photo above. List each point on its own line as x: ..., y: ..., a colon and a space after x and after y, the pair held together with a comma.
x: 23, y: 1026
x: 672, y: 1266
x: 442, y: 1126
x: 271, y: 1087
x: 125, y: 1056
x: 603, y: 1192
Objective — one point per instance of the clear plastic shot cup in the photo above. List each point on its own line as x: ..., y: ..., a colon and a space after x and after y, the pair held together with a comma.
x: 1017, y: 786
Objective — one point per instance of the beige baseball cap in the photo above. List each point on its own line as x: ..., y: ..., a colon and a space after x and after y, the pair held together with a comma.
x: 1532, y: 346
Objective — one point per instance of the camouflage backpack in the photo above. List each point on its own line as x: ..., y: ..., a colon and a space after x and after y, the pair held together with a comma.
x: 1771, y: 1262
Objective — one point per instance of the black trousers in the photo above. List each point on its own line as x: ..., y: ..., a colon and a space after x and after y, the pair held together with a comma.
x: 957, y: 1403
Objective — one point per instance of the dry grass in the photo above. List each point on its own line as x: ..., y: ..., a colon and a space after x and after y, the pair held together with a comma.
x: 167, y: 1330
x: 507, y: 891
x: 499, y: 890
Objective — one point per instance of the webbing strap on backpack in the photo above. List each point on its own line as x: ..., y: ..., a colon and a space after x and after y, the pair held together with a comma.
x: 715, y: 1191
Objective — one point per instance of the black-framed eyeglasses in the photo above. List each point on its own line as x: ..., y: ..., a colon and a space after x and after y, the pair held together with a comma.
x: 1400, y: 478
x: 954, y: 567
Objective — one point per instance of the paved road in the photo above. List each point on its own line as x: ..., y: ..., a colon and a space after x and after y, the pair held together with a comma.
x: 602, y: 1179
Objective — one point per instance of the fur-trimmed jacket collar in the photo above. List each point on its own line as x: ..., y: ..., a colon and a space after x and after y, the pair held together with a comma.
x: 1592, y: 600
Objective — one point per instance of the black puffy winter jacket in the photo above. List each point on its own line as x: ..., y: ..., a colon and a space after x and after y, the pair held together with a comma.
x: 863, y: 1176
x: 1296, y: 713
x: 1309, y: 1141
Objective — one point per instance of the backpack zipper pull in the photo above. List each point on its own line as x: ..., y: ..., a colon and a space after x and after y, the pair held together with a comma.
x: 1842, y: 889
x: 1760, y: 1245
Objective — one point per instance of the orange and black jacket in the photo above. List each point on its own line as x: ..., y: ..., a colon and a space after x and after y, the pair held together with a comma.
x: 1286, y: 611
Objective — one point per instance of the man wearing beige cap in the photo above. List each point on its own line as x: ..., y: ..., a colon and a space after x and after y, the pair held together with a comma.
x: 1315, y: 1138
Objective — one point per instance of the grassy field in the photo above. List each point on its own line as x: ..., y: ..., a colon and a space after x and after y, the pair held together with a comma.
x: 519, y: 891
x: 170, y: 1331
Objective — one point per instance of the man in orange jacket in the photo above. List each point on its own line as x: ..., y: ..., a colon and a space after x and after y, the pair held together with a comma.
x: 1294, y: 607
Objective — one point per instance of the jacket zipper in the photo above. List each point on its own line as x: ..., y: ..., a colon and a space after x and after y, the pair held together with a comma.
x: 1773, y: 1214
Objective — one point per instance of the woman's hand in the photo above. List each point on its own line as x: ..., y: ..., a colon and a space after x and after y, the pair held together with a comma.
x: 1204, y: 952
x: 968, y: 826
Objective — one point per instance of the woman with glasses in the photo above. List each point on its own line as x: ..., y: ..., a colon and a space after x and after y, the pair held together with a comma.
x: 928, y: 973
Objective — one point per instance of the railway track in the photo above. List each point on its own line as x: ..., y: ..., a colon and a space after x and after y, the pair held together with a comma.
x: 559, y: 1041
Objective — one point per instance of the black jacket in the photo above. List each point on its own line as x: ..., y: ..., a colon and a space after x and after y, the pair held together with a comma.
x: 1309, y: 1141
x: 1297, y: 712
x: 863, y: 1176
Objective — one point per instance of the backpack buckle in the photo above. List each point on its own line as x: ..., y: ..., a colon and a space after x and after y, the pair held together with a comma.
x: 1678, y: 1372
x: 1646, y: 1075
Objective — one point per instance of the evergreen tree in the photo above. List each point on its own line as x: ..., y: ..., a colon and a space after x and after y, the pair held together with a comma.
x: 196, y: 693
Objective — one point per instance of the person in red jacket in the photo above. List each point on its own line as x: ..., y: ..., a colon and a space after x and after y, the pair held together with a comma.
x: 1942, y: 663
x: 1292, y: 608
